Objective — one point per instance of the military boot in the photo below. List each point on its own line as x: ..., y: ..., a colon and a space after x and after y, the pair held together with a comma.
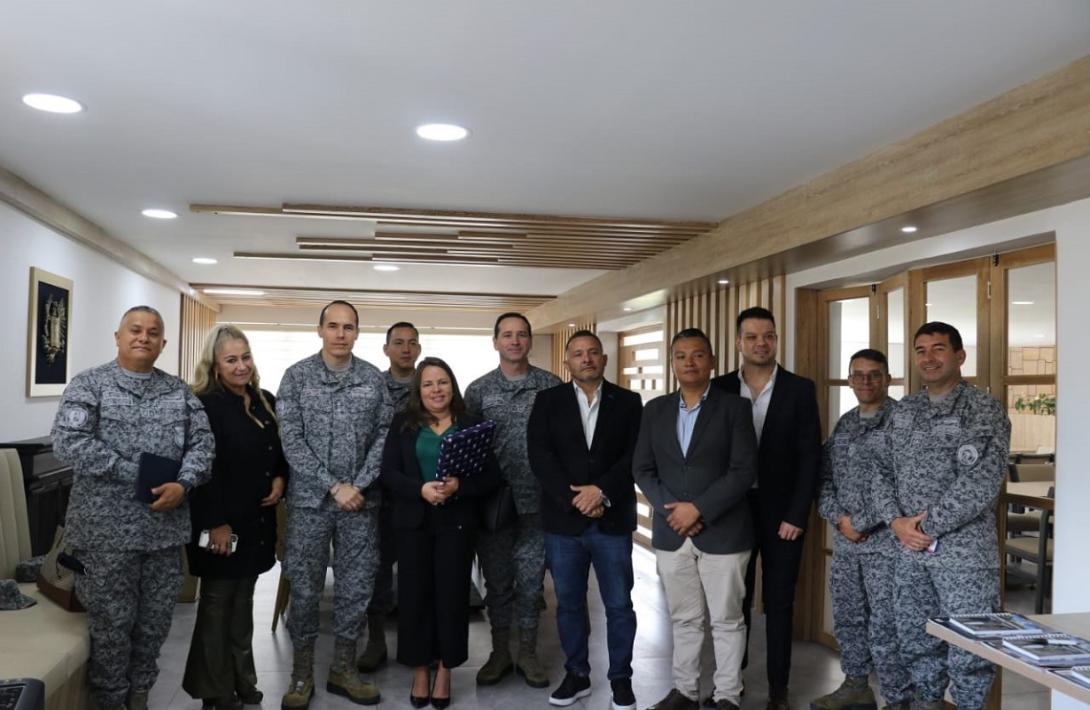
x: 301, y: 688
x: 111, y: 706
x: 528, y: 666
x: 138, y: 700
x: 344, y: 679
x: 903, y: 705
x: 853, y: 694
x: 499, y: 663
x: 374, y: 654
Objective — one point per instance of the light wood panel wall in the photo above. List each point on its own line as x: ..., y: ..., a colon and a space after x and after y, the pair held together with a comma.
x: 196, y: 320
x: 560, y: 338
x: 714, y: 311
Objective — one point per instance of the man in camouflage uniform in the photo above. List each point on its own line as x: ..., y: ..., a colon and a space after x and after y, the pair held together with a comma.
x: 403, y: 349
x: 513, y: 559
x: 864, y: 549
x: 946, y: 459
x: 109, y: 416
x: 334, y: 412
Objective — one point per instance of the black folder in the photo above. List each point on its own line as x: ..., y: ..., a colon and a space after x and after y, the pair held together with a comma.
x: 154, y: 471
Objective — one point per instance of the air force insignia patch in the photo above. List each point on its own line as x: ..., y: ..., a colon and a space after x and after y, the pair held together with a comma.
x: 968, y: 455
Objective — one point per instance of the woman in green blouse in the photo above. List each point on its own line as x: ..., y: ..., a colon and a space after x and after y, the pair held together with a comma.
x: 435, y: 520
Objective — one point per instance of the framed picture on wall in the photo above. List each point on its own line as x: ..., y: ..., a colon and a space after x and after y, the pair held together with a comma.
x: 48, y: 333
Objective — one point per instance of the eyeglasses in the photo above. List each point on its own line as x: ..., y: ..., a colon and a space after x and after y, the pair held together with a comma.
x: 858, y: 378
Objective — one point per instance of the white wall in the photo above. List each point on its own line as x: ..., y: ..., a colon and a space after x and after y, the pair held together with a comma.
x: 1071, y: 225
x: 102, y: 290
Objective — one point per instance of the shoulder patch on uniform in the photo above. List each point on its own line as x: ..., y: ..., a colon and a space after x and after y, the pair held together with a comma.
x: 75, y: 417
x: 968, y: 455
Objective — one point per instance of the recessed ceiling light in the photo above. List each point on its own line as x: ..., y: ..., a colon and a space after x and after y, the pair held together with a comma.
x: 52, y: 103
x: 928, y: 305
x: 627, y: 309
x: 386, y: 267
x: 908, y: 229
x: 571, y: 325
x: 1021, y: 303
x: 441, y: 132
x: 234, y: 292
x: 204, y: 260
x: 724, y: 282
x: 156, y: 213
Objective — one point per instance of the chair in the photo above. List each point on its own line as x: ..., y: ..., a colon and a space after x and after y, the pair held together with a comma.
x: 1020, y: 521
x: 1037, y: 550
x: 283, y: 587
x: 14, y: 522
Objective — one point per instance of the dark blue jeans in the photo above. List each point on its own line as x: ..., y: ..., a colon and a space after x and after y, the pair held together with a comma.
x: 569, y: 559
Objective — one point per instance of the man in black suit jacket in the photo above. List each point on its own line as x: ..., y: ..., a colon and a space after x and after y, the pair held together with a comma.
x: 580, y: 438
x: 695, y: 460
x: 785, y: 418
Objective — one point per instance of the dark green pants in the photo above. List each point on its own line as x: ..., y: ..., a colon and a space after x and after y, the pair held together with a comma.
x: 221, y: 656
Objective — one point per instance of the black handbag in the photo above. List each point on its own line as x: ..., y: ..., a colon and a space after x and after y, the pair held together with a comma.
x: 498, y: 509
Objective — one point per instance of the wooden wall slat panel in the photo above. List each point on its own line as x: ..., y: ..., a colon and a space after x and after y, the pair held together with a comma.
x: 196, y: 320
x: 713, y: 310
x: 560, y: 338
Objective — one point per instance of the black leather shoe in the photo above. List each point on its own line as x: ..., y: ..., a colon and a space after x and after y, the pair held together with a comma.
x: 440, y: 703
x: 419, y: 702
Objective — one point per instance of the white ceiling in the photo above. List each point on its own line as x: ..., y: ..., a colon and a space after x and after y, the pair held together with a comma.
x: 627, y: 108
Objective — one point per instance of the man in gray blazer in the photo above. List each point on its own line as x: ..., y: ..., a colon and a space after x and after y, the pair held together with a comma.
x: 695, y: 460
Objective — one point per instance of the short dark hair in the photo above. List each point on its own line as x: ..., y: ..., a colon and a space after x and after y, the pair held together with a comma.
x: 873, y: 355
x: 584, y: 333
x: 756, y: 312
x: 416, y: 415
x: 692, y: 333
x: 510, y: 314
x: 936, y: 327
x: 400, y: 324
x: 321, y: 316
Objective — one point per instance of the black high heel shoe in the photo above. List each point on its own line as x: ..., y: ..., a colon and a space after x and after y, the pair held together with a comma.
x: 418, y: 701
x: 440, y: 703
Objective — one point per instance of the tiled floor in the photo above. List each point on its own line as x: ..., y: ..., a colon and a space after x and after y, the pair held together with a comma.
x: 815, y: 669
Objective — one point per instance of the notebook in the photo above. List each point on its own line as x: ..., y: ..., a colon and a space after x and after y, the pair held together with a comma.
x: 994, y: 625
x: 1049, y: 649
x: 154, y: 471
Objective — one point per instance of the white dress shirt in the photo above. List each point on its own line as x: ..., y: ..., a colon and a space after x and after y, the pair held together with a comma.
x: 588, y: 410
x: 761, y: 401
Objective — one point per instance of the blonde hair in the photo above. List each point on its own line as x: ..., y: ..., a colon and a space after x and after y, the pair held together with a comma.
x: 206, y: 380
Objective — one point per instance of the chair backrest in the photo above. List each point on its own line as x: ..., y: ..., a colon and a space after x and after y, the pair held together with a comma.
x: 1023, y: 472
x: 14, y: 523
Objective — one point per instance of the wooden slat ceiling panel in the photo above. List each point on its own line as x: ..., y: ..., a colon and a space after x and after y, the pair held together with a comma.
x: 408, y: 300
x: 476, y: 237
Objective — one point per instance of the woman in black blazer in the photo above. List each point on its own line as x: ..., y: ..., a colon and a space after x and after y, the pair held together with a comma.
x: 248, y: 479
x: 435, y: 522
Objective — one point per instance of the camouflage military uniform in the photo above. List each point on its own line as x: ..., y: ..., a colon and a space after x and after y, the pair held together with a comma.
x: 513, y: 559
x: 861, y: 577
x: 949, y: 459
x: 382, y: 602
x: 105, y: 420
x: 332, y: 425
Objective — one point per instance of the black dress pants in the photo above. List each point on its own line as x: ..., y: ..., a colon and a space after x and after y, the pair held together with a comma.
x: 221, y: 656
x: 780, y: 561
x: 433, y: 568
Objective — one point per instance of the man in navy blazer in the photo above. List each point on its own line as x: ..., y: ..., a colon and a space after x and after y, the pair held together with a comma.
x: 580, y: 438
x: 695, y: 460
x: 785, y: 418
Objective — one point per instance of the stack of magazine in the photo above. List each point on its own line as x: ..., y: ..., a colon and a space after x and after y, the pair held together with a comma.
x: 1049, y: 649
x: 993, y: 626
x: 1065, y: 655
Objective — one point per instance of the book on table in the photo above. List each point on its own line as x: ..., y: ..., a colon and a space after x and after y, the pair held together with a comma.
x: 1049, y: 649
x: 1077, y: 674
x: 996, y: 625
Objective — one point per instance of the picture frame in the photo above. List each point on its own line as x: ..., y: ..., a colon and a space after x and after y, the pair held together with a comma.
x: 48, y: 334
